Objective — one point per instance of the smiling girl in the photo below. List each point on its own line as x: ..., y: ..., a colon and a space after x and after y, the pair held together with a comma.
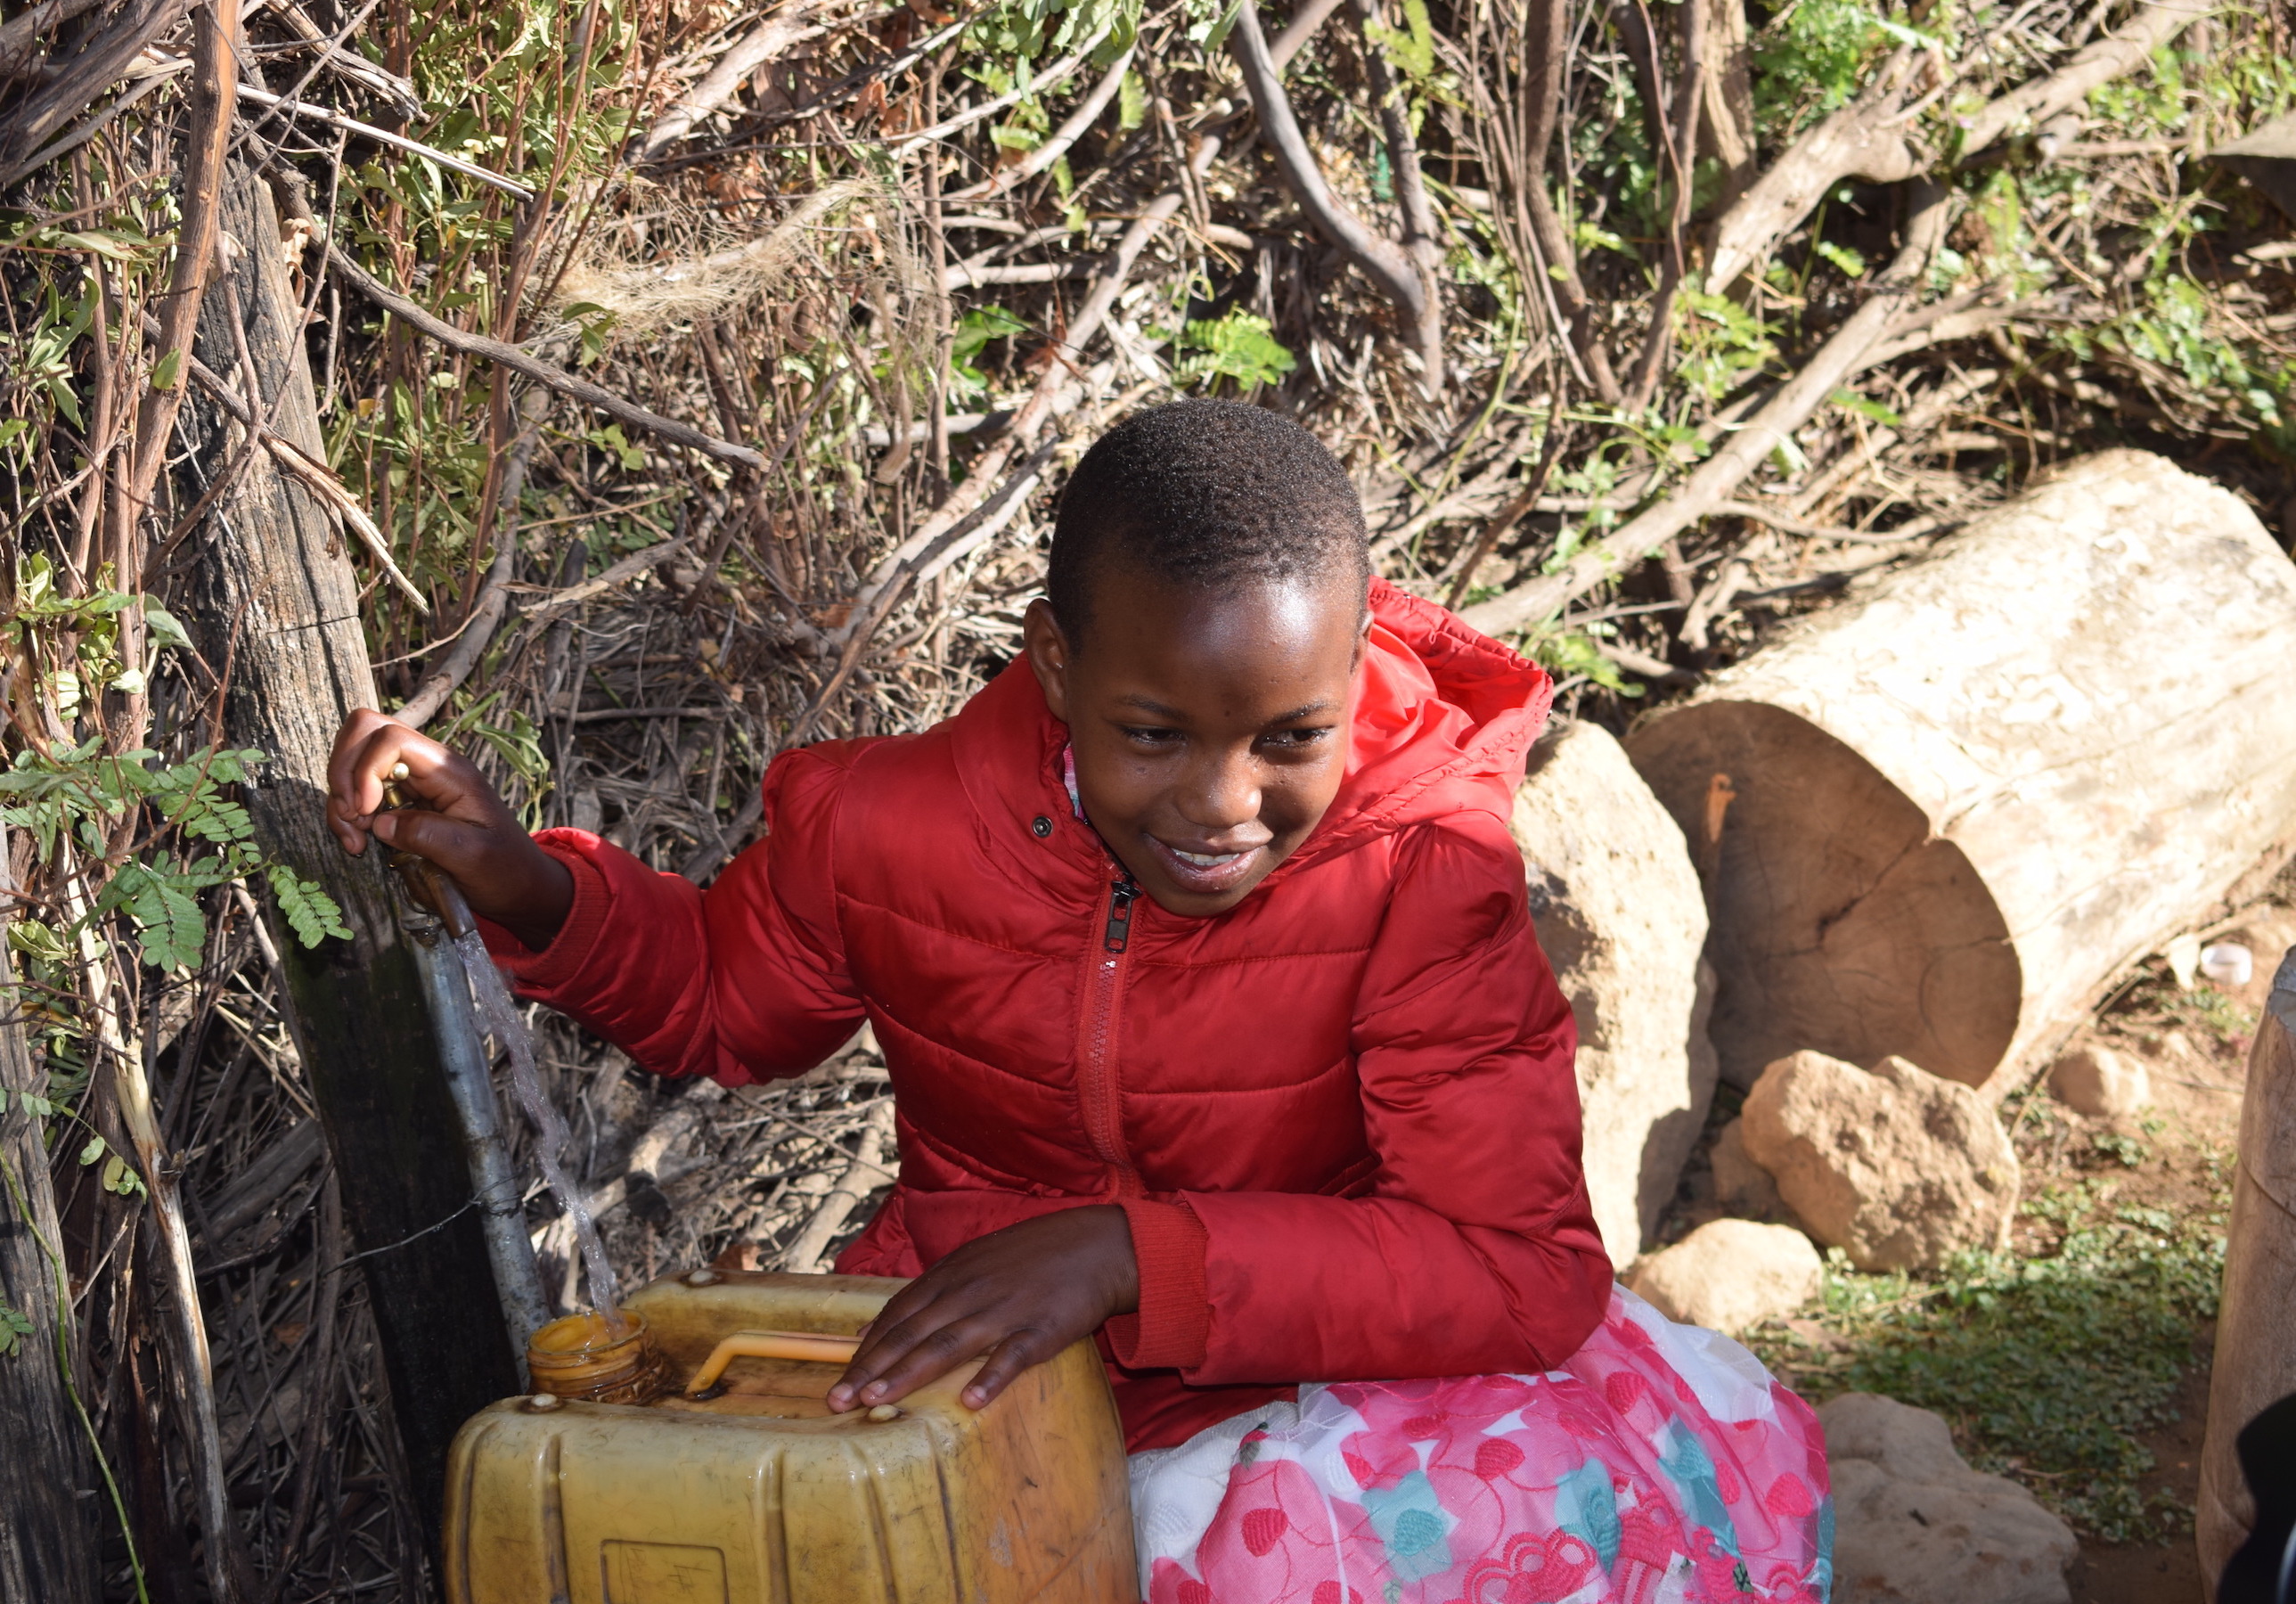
x: 1199, y: 955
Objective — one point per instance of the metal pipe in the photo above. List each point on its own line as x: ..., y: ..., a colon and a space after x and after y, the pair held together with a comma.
x: 470, y: 1080
x: 435, y: 914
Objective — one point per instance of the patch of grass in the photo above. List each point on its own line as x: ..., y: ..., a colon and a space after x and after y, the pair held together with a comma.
x: 2047, y: 1367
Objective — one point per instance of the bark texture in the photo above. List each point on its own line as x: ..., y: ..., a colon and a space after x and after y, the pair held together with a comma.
x: 276, y: 599
x: 2255, y: 1363
x: 48, y: 1482
x: 1937, y: 819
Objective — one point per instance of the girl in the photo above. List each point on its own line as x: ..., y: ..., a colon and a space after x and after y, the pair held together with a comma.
x: 1198, y: 953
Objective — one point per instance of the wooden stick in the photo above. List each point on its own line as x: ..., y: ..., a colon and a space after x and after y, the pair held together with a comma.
x: 368, y: 130
x: 213, y: 71
x: 1080, y: 120
x: 1393, y: 271
x: 543, y: 373
x: 493, y: 603
x: 846, y: 1193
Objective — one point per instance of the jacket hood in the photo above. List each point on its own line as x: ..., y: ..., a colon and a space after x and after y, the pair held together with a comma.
x: 1443, y: 723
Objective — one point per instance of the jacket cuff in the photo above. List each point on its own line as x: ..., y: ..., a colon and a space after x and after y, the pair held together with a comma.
x: 1169, y: 1245
x: 558, y: 963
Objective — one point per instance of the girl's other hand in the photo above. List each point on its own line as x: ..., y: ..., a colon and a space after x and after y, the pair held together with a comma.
x: 1020, y: 1295
x: 463, y: 828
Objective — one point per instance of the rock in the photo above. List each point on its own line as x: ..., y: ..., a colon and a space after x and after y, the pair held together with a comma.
x: 1914, y: 1521
x: 2098, y: 1081
x: 1898, y: 1168
x: 1622, y: 920
x: 1731, y: 1274
x: 1741, y: 1186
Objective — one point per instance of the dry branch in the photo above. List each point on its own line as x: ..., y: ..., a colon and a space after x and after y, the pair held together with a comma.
x: 1555, y: 266
x: 1072, y: 129
x: 850, y: 1190
x: 1869, y: 138
x: 542, y: 373
x: 762, y: 44
x: 100, y: 63
x: 2119, y: 52
x: 1873, y: 137
x: 368, y: 130
x: 1397, y: 273
x: 493, y: 602
x: 213, y: 71
x: 308, y: 470
x: 1738, y: 456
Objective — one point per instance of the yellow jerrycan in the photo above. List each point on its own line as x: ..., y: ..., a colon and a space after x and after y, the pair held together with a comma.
x: 733, y: 1483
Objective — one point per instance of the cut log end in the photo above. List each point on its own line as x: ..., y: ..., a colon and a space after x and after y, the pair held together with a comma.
x: 1840, y: 923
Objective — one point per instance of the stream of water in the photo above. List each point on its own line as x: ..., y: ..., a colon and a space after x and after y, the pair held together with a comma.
x: 499, y: 1016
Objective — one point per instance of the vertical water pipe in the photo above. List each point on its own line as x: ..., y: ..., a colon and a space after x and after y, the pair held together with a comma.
x: 469, y: 1082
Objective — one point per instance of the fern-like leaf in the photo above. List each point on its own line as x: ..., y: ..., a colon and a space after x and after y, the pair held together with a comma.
x: 311, y: 912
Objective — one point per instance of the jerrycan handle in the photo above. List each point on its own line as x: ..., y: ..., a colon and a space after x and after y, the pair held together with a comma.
x: 816, y: 1347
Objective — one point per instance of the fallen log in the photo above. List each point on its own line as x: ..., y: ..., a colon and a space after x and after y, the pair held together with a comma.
x: 2255, y: 1363
x: 1620, y: 917
x: 1938, y: 818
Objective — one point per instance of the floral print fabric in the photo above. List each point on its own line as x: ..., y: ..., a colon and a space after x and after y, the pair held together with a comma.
x: 1660, y: 1465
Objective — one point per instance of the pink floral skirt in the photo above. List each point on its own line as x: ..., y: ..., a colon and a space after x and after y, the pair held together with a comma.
x: 1660, y: 1465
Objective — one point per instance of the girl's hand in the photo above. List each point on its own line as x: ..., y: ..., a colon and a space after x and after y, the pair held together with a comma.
x: 1020, y: 1295
x: 465, y: 829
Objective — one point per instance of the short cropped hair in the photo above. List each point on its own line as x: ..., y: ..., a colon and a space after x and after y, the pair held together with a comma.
x: 1204, y: 494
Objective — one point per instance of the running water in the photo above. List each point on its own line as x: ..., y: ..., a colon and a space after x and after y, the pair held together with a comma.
x: 500, y: 1017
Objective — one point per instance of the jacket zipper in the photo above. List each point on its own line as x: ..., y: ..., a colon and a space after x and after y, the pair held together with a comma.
x: 1097, y: 1084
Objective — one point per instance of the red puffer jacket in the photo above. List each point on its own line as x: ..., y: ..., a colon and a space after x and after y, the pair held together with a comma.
x: 1340, y: 1117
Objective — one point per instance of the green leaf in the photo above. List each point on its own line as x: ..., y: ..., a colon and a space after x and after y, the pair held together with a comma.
x: 1238, y: 346
x: 309, y: 911
x: 1842, y: 257
x: 161, y: 629
x: 1412, y: 47
x: 94, y: 1150
x: 167, y: 371
x: 119, y: 1176
x: 14, y: 1326
x: 1849, y: 400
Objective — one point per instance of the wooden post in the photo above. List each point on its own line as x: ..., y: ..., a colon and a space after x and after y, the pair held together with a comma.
x: 2255, y: 1361
x: 274, y: 597
x: 47, y: 1485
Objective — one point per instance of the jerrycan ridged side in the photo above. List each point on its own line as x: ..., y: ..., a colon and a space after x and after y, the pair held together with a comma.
x: 756, y: 1494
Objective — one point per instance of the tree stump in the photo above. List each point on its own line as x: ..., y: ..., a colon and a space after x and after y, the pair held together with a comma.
x: 2255, y: 1363
x: 1937, y: 819
x: 1621, y: 919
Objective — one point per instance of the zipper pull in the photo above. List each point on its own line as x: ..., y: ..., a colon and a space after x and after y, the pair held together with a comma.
x: 1120, y: 895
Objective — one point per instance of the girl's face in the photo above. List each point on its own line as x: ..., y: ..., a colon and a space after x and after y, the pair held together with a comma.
x: 1209, y: 726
